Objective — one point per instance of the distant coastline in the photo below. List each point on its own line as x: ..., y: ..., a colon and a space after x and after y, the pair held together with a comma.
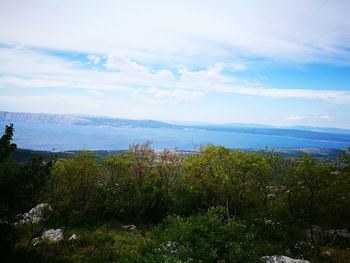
x: 64, y: 132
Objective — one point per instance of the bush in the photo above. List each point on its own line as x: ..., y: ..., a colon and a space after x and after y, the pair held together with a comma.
x: 207, y: 238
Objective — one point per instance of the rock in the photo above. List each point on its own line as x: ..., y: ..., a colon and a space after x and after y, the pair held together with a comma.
x: 3, y: 222
x: 36, y: 214
x: 53, y: 235
x: 282, y: 259
x: 171, y: 246
x: 73, y: 237
x: 130, y: 227
x: 36, y: 242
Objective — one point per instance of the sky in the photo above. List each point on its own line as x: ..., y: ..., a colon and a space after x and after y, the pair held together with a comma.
x: 280, y: 63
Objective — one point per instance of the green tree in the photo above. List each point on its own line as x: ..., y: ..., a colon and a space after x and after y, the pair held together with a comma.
x: 77, y: 184
x: 6, y: 145
x: 305, y: 183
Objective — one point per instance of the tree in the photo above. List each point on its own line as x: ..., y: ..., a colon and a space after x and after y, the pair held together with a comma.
x: 120, y: 187
x: 76, y: 187
x: 21, y: 185
x: 144, y: 158
x: 261, y: 177
x: 305, y: 182
x: 6, y: 146
x: 168, y: 167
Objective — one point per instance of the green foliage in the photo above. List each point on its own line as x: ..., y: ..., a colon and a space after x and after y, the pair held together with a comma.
x: 22, y: 186
x: 6, y: 147
x: 206, y: 238
x: 215, y: 205
x: 75, y: 187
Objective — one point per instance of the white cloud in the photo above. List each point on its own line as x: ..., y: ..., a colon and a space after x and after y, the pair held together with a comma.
x: 124, y: 65
x: 96, y: 93
x: 184, y: 31
x: 25, y: 68
x: 314, y: 117
x: 132, y: 69
x: 165, y: 75
x: 295, y: 118
x: 325, y: 95
x: 94, y: 59
x: 141, y: 43
x: 208, y: 77
x: 36, y: 103
x: 161, y: 96
x: 236, y: 66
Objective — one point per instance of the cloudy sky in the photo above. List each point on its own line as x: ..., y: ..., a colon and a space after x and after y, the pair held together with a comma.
x: 269, y: 62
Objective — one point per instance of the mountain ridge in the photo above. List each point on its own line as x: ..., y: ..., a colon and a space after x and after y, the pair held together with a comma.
x: 91, y: 132
x: 81, y: 119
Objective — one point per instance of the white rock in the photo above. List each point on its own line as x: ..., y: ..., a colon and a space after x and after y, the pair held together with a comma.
x: 73, y: 237
x: 171, y: 246
x: 3, y: 221
x: 269, y: 222
x: 36, y: 241
x: 53, y: 235
x: 36, y: 214
x: 282, y: 259
x: 130, y: 227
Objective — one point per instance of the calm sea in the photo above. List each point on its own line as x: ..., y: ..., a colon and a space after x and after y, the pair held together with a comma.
x: 73, y: 137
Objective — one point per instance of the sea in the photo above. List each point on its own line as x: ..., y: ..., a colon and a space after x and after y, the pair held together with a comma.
x: 64, y: 137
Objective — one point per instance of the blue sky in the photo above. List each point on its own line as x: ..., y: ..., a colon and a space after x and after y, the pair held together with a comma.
x: 281, y: 63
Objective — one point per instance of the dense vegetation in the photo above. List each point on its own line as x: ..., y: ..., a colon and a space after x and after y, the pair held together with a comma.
x: 215, y: 205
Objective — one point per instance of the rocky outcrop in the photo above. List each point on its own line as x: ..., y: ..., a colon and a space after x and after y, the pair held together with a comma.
x: 73, y: 237
x: 53, y: 235
x: 282, y: 259
x: 130, y: 227
x: 36, y: 214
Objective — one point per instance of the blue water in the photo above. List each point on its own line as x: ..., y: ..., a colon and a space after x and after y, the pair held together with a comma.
x: 73, y: 137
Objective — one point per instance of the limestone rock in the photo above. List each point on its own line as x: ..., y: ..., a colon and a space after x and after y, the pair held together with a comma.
x: 53, y: 235
x: 130, y: 227
x: 282, y: 259
x: 36, y: 214
x: 73, y: 237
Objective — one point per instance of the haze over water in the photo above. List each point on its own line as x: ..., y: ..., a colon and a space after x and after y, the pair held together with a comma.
x: 73, y: 137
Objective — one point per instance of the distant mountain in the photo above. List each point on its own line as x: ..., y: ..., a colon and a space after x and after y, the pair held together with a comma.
x: 67, y: 132
x: 71, y: 119
x: 41, y: 118
x: 285, y: 132
x: 74, y: 119
x: 323, y: 129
